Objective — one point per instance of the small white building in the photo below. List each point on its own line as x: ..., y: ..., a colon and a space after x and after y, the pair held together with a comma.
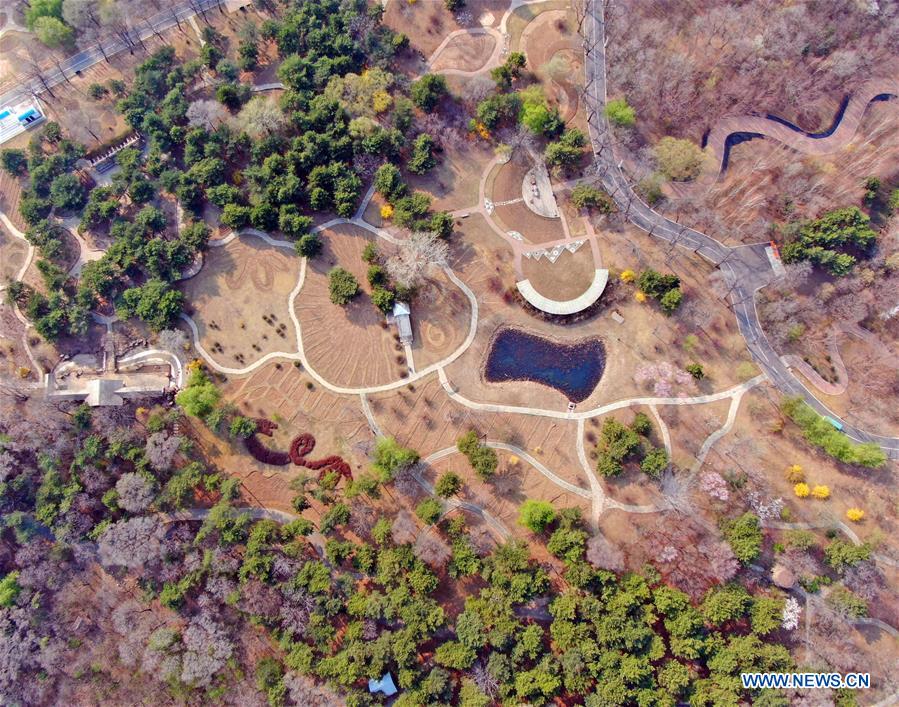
x: 402, y: 317
x: 16, y: 119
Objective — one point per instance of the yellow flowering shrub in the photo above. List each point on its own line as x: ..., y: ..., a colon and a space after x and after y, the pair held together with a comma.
x: 795, y: 474
x: 855, y: 514
x: 386, y: 211
x: 627, y: 276
x: 801, y: 490
x: 381, y: 101
x: 821, y: 492
x: 195, y: 365
x: 639, y: 296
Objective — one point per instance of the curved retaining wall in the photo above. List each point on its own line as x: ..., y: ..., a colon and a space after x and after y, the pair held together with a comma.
x: 571, y: 306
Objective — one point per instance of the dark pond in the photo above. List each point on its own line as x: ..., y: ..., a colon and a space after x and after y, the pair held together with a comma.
x: 573, y: 369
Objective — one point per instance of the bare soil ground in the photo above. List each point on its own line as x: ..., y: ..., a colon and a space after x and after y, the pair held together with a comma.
x: 466, y: 52
x: 283, y: 393
x: 440, y: 320
x: 506, y: 185
x: 427, y: 419
x: 756, y: 451
x: 453, y: 183
x: 426, y: 23
x: 689, y: 426
x: 11, y: 192
x: 239, y: 284
x: 351, y: 345
x: 565, y: 279
x: 515, y: 482
x: 13, y: 356
x: 524, y: 15
x: 553, y: 49
x: 13, y: 252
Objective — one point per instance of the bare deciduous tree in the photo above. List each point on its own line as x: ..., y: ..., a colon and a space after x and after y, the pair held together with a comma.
x: 207, y: 114
x: 404, y: 528
x: 131, y: 543
x: 261, y: 116
x: 161, y: 450
x: 135, y: 492
x: 431, y: 549
x: 602, y: 554
x: 414, y: 257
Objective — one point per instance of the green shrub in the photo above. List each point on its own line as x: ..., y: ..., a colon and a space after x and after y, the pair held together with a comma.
x: 642, y: 425
x: 679, y: 160
x: 695, y: 370
x: 535, y: 515
x: 391, y: 457
x: 847, y: 603
x: 9, y: 589
x: 841, y: 555
x: 620, y: 113
x: 449, y: 484
x: 825, y: 240
x: 429, y: 510
x: 819, y: 432
x: 482, y: 458
x: 744, y: 534
x: 586, y: 196
x: 617, y: 444
x: 655, y: 462
x: 242, y: 426
x: 342, y: 286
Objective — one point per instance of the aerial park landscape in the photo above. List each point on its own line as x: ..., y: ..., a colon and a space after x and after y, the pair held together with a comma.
x: 427, y: 352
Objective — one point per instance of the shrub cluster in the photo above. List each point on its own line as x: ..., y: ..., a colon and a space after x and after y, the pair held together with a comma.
x: 821, y: 433
x: 481, y: 457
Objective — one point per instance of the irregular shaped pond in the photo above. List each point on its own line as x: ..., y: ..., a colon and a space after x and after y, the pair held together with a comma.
x: 572, y: 369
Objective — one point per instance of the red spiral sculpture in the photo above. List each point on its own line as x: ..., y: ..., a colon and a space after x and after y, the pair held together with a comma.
x: 300, y: 447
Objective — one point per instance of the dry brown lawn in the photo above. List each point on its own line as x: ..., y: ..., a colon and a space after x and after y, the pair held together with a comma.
x: 239, y: 284
x: 466, y: 52
x: 453, y: 183
x: 565, y: 279
x: 13, y: 252
x: 351, y: 345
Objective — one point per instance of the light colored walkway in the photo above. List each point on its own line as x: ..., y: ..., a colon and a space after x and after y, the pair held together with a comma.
x: 29, y: 257
x: 724, y: 429
x: 602, y: 409
x: 519, y: 452
x: 565, y: 307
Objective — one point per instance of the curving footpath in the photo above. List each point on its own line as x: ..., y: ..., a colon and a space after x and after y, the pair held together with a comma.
x: 746, y: 268
x: 730, y: 131
x: 300, y: 354
x: 492, y: 61
x: 29, y: 257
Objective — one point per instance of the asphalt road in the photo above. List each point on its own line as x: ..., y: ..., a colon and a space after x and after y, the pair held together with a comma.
x: 746, y: 268
x: 160, y: 22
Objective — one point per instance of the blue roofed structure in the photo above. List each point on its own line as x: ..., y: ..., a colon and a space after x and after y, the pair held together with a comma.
x: 385, y: 685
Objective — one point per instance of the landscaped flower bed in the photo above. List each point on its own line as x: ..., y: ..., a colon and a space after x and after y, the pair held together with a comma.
x: 300, y: 446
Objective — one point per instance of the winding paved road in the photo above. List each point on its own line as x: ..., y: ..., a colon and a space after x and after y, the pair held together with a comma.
x: 158, y: 23
x: 746, y: 268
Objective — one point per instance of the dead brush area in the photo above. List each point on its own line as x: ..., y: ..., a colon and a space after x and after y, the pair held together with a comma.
x: 769, y: 183
x: 684, y: 66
